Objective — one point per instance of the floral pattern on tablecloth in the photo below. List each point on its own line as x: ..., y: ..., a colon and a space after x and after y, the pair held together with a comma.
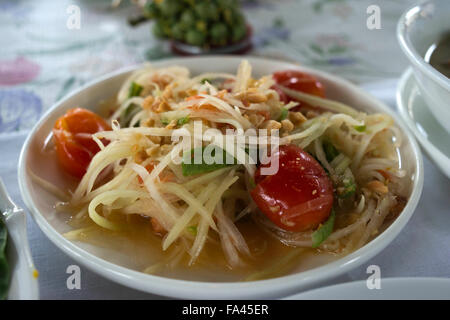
x: 41, y: 60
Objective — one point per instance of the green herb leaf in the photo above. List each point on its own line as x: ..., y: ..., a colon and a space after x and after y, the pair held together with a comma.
x: 189, y: 168
x: 324, y: 231
x: 360, y: 128
x: 4, y: 266
x: 205, y: 80
x: 330, y: 150
x: 135, y: 90
x: 183, y: 121
x: 284, y: 114
x: 192, y: 229
x: 165, y: 121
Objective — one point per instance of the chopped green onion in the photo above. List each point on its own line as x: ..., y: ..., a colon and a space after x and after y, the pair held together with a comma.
x: 135, y: 90
x: 284, y: 114
x: 189, y: 168
x: 192, y: 229
x: 165, y: 121
x: 324, y: 231
x: 360, y: 128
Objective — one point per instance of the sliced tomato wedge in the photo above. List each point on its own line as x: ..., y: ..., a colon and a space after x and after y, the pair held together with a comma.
x: 299, y: 81
x: 299, y: 196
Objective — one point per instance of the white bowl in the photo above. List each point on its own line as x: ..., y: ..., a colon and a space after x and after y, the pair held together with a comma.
x: 416, y: 114
x: 112, y: 266
x: 419, y: 28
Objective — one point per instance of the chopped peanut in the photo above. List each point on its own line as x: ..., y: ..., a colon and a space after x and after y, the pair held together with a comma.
x: 271, y: 125
x: 182, y: 94
x: 163, y: 107
x: 287, y: 125
x: 297, y: 118
x: 256, y: 97
x: 172, y: 124
x: 148, y: 103
x: 167, y: 93
x: 191, y: 92
x: 148, y: 123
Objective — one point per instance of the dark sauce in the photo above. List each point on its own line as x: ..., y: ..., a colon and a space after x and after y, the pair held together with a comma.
x: 438, y: 55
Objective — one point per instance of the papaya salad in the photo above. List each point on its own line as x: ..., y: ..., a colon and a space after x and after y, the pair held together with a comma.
x: 339, y: 179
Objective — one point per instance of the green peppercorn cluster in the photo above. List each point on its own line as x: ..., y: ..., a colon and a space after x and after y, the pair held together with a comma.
x: 198, y: 22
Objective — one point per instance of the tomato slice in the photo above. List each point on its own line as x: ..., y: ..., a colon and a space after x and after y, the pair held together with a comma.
x: 299, y: 196
x: 300, y: 81
x: 74, y: 145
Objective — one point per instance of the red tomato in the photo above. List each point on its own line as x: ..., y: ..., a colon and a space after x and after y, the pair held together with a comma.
x: 299, y: 196
x: 300, y: 81
x: 74, y: 145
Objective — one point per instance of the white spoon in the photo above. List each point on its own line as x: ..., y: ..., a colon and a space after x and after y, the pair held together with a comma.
x: 24, y: 283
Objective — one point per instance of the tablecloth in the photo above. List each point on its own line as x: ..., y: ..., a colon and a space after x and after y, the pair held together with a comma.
x: 41, y: 60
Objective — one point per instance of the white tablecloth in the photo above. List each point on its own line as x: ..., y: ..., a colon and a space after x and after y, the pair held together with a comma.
x: 41, y: 61
x: 421, y: 249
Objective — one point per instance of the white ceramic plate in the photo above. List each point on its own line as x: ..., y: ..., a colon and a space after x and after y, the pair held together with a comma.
x: 24, y: 283
x: 390, y: 289
x: 431, y: 135
x: 117, y: 268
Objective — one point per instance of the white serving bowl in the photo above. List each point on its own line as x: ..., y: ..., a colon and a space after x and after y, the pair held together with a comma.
x: 418, y: 29
x: 112, y: 266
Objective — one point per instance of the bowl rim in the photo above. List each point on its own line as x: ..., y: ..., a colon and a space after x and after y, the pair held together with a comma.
x: 431, y: 150
x: 270, y: 288
x: 410, y: 51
